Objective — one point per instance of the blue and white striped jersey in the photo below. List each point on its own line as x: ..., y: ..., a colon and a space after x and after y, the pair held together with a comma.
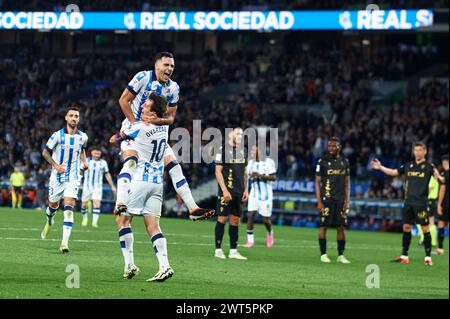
x: 144, y: 83
x: 261, y: 190
x: 66, y: 150
x: 93, y: 176
x: 151, y: 143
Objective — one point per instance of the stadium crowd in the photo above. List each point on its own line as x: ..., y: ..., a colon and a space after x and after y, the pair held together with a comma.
x: 219, y: 5
x: 313, y: 75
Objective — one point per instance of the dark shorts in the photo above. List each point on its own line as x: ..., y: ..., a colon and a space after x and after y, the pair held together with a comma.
x: 333, y: 215
x: 17, y: 190
x: 234, y: 207
x: 416, y: 214
x: 444, y: 217
x: 432, y: 205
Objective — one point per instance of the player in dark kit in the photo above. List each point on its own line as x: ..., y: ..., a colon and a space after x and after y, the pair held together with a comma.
x: 442, y: 208
x: 333, y: 198
x: 415, y: 208
x: 232, y: 177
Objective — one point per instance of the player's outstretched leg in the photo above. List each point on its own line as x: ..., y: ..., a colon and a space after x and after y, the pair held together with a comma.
x: 126, y: 239
x: 123, y: 182
x: 49, y: 213
x: 160, y: 248
x: 182, y: 188
x: 67, y: 228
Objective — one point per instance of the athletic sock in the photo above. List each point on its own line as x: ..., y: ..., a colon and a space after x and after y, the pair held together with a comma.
x: 126, y: 239
x: 95, y: 215
x: 441, y: 237
x: 233, y: 231
x: 84, y: 213
x: 124, y: 179
x: 406, y: 243
x: 341, y: 247
x: 250, y: 236
x: 427, y: 243
x: 160, y: 248
x: 50, y: 212
x: 433, y: 233
x: 68, y: 223
x: 220, y: 229
x: 323, y: 246
x: 181, y: 185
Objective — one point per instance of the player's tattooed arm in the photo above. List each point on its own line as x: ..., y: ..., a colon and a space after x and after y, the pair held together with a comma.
x: 168, y: 119
x: 347, y: 193
x: 245, y: 195
x: 219, y: 176
x: 124, y: 101
x: 320, y: 206
x: 59, y: 168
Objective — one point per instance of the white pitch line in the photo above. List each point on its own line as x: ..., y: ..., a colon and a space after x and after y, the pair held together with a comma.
x: 193, y: 244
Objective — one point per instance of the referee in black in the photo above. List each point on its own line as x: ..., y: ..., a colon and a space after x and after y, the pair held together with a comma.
x: 333, y: 198
x: 232, y: 177
x: 415, y: 209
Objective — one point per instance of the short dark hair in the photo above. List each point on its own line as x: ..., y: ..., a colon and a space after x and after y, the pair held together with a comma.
x: 159, y: 104
x: 96, y: 148
x: 161, y: 55
x: 444, y: 157
x: 334, y: 139
x: 72, y: 107
x: 420, y: 144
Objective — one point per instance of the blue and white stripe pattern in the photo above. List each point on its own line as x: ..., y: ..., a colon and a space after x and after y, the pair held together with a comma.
x: 144, y: 83
x: 93, y: 176
x: 66, y: 150
x: 259, y: 189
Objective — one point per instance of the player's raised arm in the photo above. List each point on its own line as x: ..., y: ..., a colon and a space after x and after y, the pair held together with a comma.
x: 376, y: 164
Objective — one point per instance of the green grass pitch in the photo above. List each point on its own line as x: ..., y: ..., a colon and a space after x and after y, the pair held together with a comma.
x: 34, y: 268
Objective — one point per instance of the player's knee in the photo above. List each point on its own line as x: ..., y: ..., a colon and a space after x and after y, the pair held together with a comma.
x: 222, y: 219
x: 407, y: 228
x: 53, y: 205
x: 129, y: 164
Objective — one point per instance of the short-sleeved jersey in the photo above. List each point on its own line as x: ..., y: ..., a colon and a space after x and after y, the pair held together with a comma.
x: 261, y: 189
x: 93, y: 176
x: 234, y: 164
x: 151, y: 143
x: 333, y: 172
x: 66, y: 150
x: 417, y: 180
x: 144, y: 83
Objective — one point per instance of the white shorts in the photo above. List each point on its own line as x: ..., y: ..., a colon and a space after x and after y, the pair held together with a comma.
x: 144, y: 199
x: 89, y: 193
x: 57, y: 190
x: 263, y: 207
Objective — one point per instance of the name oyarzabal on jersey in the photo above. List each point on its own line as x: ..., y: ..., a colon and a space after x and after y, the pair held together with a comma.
x: 143, y: 84
x: 150, y: 143
x: 66, y: 150
x: 93, y: 176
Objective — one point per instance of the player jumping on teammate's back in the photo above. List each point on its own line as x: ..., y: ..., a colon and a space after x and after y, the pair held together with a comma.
x: 93, y: 186
x: 146, y: 190
x: 442, y: 206
x: 131, y: 101
x: 232, y: 177
x: 68, y: 155
x: 261, y: 172
x: 333, y: 198
x: 415, y: 210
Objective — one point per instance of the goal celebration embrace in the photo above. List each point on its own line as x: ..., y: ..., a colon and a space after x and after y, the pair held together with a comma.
x: 178, y: 151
